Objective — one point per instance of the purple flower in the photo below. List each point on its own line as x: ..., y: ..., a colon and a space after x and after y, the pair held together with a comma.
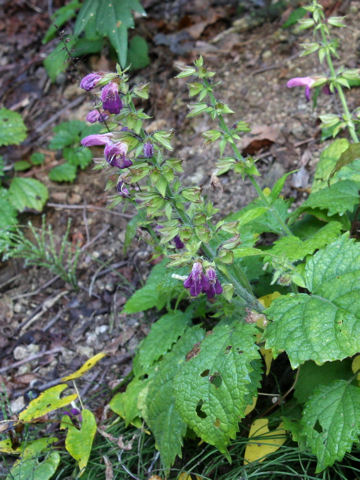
x: 110, y: 98
x: 200, y: 282
x: 115, y: 155
x: 93, y: 116
x: 148, y: 150
x: 214, y: 287
x: 121, y: 188
x: 97, y: 139
x: 96, y: 116
x: 306, y: 82
x: 90, y: 81
x: 178, y: 243
x: 194, y: 282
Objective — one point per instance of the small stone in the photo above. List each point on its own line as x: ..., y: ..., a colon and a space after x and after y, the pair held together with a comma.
x: 17, y: 307
x: 101, y: 329
x: 21, y: 352
x: 17, y: 404
x: 85, y: 351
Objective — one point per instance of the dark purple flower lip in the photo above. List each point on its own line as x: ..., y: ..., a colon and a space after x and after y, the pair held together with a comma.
x: 111, y: 99
x: 199, y: 282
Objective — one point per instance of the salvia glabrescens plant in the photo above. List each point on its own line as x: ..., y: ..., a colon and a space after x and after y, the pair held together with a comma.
x: 201, y: 366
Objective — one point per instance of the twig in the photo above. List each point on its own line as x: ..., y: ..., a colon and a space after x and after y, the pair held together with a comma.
x: 89, y: 207
x: 100, y: 234
x: 30, y: 359
x: 86, y: 224
x: 45, y: 285
x: 124, y: 467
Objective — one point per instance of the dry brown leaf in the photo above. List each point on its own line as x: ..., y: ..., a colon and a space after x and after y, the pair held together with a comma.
x: 261, y: 136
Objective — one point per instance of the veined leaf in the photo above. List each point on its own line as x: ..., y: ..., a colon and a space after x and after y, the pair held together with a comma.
x: 46, y: 402
x: 163, y: 334
x: 162, y: 416
x: 331, y: 421
x: 338, y: 198
x: 65, y: 172
x: 35, y: 463
x: 90, y: 363
x: 113, y: 19
x: 224, y: 373
x: 27, y: 193
x: 328, y: 160
x: 292, y: 248
x: 79, y: 441
x: 323, y: 326
x: 12, y: 128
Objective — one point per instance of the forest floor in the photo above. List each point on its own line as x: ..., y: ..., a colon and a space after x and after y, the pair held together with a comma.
x: 47, y: 329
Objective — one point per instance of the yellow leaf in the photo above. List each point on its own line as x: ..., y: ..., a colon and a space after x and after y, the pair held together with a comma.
x: 46, y: 402
x: 251, y: 407
x: 268, y: 357
x: 267, y: 299
x: 355, y: 366
x: 6, y: 447
x: 87, y: 365
x: 155, y: 477
x: 184, y: 476
x: 262, y: 442
x: 78, y: 442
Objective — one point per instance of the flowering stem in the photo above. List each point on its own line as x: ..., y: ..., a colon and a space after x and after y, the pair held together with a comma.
x: 347, y: 115
x: 253, y: 180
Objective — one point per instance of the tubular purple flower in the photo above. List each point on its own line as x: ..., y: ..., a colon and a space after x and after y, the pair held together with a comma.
x: 148, y: 150
x: 214, y: 287
x: 97, y: 139
x: 93, y: 116
x: 306, y: 82
x: 115, y: 155
x: 178, y: 243
x: 194, y: 282
x: 90, y: 81
x: 121, y: 189
x: 110, y: 98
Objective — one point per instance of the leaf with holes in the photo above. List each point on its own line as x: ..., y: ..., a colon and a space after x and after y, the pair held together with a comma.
x: 27, y: 193
x: 225, y: 374
x: 12, y: 128
x: 331, y: 422
x: 323, y: 326
x: 78, y: 442
x: 36, y: 462
x: 46, y: 402
x: 162, y: 415
x: 163, y: 334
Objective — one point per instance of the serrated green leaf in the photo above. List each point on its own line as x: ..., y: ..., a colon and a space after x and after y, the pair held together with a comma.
x: 37, y: 158
x: 294, y: 17
x: 331, y: 423
x: 79, y: 157
x: 12, y: 128
x: 162, y: 416
x: 163, y: 334
x: 8, y: 214
x: 323, y: 326
x: 46, y: 402
x: 328, y: 160
x: 27, y: 193
x: 78, y: 442
x: 160, y: 287
x: 138, y: 53
x: 293, y: 248
x: 311, y: 376
x: 339, y: 198
x: 58, y: 60
x: 64, y: 172
x: 126, y: 404
x: 114, y: 21
x: 21, y: 166
x: 69, y: 133
x: 351, y: 154
x: 223, y: 375
x: 60, y: 17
